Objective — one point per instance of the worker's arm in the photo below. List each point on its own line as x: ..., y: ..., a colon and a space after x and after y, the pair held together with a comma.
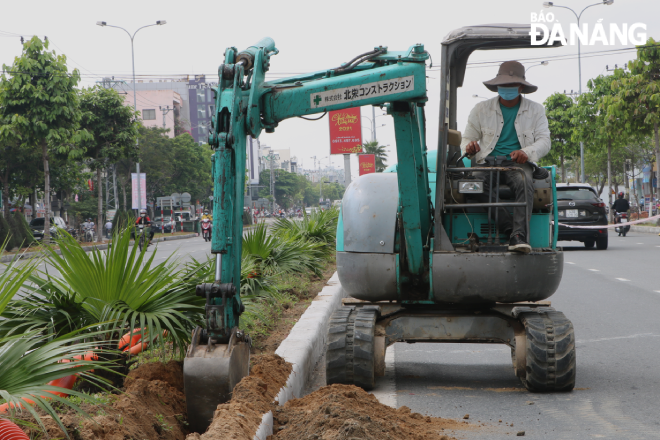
x: 541, y: 143
x: 472, y: 133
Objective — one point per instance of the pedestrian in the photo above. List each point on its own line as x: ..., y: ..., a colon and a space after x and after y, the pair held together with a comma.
x: 108, y: 228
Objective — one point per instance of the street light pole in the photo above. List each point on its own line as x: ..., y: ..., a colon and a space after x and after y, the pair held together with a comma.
x: 137, y: 141
x: 550, y: 5
x: 542, y: 63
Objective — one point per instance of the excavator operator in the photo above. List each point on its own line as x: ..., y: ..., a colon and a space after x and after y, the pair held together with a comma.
x: 513, y: 130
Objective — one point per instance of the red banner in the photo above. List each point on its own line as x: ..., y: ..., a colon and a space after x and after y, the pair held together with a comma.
x: 345, y: 131
x: 367, y: 163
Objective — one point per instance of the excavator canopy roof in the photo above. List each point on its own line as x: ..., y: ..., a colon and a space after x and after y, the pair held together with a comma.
x: 460, y: 43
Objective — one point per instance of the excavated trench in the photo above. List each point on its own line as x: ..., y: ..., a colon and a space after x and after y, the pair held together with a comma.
x: 153, y: 407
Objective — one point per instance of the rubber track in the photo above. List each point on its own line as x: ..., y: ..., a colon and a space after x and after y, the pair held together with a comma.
x: 550, y: 351
x: 350, y: 347
x: 363, y: 347
x: 339, y: 347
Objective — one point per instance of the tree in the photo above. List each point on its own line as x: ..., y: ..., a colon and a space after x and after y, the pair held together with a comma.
x: 378, y: 151
x: 175, y: 165
x: 592, y: 124
x: 191, y: 167
x: 558, y: 111
x: 112, y: 128
x: 637, y: 100
x: 289, y: 187
x: 41, y: 100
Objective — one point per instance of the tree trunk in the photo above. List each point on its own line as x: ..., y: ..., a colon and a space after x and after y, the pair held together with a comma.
x: 657, y: 164
x: 99, y: 218
x: 609, y: 175
x: 5, y: 193
x: 626, y: 180
x: 123, y: 190
x: 563, y: 168
x: 44, y: 154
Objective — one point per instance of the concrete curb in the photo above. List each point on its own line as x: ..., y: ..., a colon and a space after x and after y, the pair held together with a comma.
x: 304, y: 346
x: 30, y: 255
x: 645, y: 229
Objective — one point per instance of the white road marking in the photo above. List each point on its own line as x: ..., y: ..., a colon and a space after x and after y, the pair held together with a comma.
x: 657, y: 291
x: 637, y: 335
x: 640, y: 243
x: 621, y: 279
x: 568, y: 262
x: 594, y: 270
x: 385, y: 390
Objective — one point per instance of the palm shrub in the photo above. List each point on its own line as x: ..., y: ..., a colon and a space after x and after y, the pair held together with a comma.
x: 15, y: 238
x: 5, y: 234
x: 282, y: 253
x: 317, y: 227
x: 256, y: 286
x: 117, y: 292
x: 23, y: 229
x: 30, y: 359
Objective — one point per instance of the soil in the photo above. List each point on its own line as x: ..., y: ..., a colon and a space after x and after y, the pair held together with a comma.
x: 152, y: 407
x: 268, y: 344
x: 347, y: 412
x: 240, y: 417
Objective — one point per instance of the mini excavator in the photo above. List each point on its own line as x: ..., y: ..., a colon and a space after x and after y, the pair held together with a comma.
x: 418, y: 254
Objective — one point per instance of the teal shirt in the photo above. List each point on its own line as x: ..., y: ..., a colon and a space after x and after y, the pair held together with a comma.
x: 508, y: 140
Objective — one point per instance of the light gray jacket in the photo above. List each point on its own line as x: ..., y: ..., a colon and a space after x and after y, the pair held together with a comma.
x: 485, y: 126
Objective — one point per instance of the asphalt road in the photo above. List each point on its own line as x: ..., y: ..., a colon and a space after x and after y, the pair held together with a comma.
x: 613, y: 299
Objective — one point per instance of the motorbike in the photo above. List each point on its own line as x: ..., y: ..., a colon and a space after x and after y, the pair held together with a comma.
x: 142, y: 238
x: 206, y: 229
x: 621, y: 217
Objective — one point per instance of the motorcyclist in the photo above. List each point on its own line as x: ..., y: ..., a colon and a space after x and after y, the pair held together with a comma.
x: 621, y: 204
x: 206, y: 215
x: 144, y: 219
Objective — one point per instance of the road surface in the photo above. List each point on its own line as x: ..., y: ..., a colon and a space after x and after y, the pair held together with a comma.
x: 613, y: 299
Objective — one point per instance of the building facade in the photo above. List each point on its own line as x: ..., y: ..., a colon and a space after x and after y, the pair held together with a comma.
x: 202, y: 107
x: 160, y: 102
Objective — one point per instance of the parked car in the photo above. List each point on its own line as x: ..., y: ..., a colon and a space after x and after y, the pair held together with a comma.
x: 579, y: 205
x: 163, y: 224
x: 37, y: 226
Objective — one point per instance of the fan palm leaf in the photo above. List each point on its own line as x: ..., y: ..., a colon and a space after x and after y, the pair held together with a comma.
x: 124, y: 289
x: 28, y: 360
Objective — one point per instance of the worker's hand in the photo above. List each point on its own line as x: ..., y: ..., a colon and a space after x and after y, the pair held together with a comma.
x: 472, y: 148
x: 519, y: 156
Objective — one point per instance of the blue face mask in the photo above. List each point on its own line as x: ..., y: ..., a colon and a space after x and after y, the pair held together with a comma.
x: 508, y: 93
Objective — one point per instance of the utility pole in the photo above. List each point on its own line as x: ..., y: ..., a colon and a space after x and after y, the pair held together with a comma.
x: 165, y: 111
x: 347, y: 170
x: 373, y: 123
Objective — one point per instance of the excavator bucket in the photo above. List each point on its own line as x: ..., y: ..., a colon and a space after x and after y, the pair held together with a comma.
x: 210, y: 372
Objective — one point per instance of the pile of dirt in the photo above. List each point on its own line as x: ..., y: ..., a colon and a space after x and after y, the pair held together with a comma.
x: 171, y: 372
x: 345, y: 412
x: 239, y: 418
x: 149, y: 409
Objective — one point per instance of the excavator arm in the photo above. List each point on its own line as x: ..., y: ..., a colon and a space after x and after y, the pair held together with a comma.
x: 245, y: 105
